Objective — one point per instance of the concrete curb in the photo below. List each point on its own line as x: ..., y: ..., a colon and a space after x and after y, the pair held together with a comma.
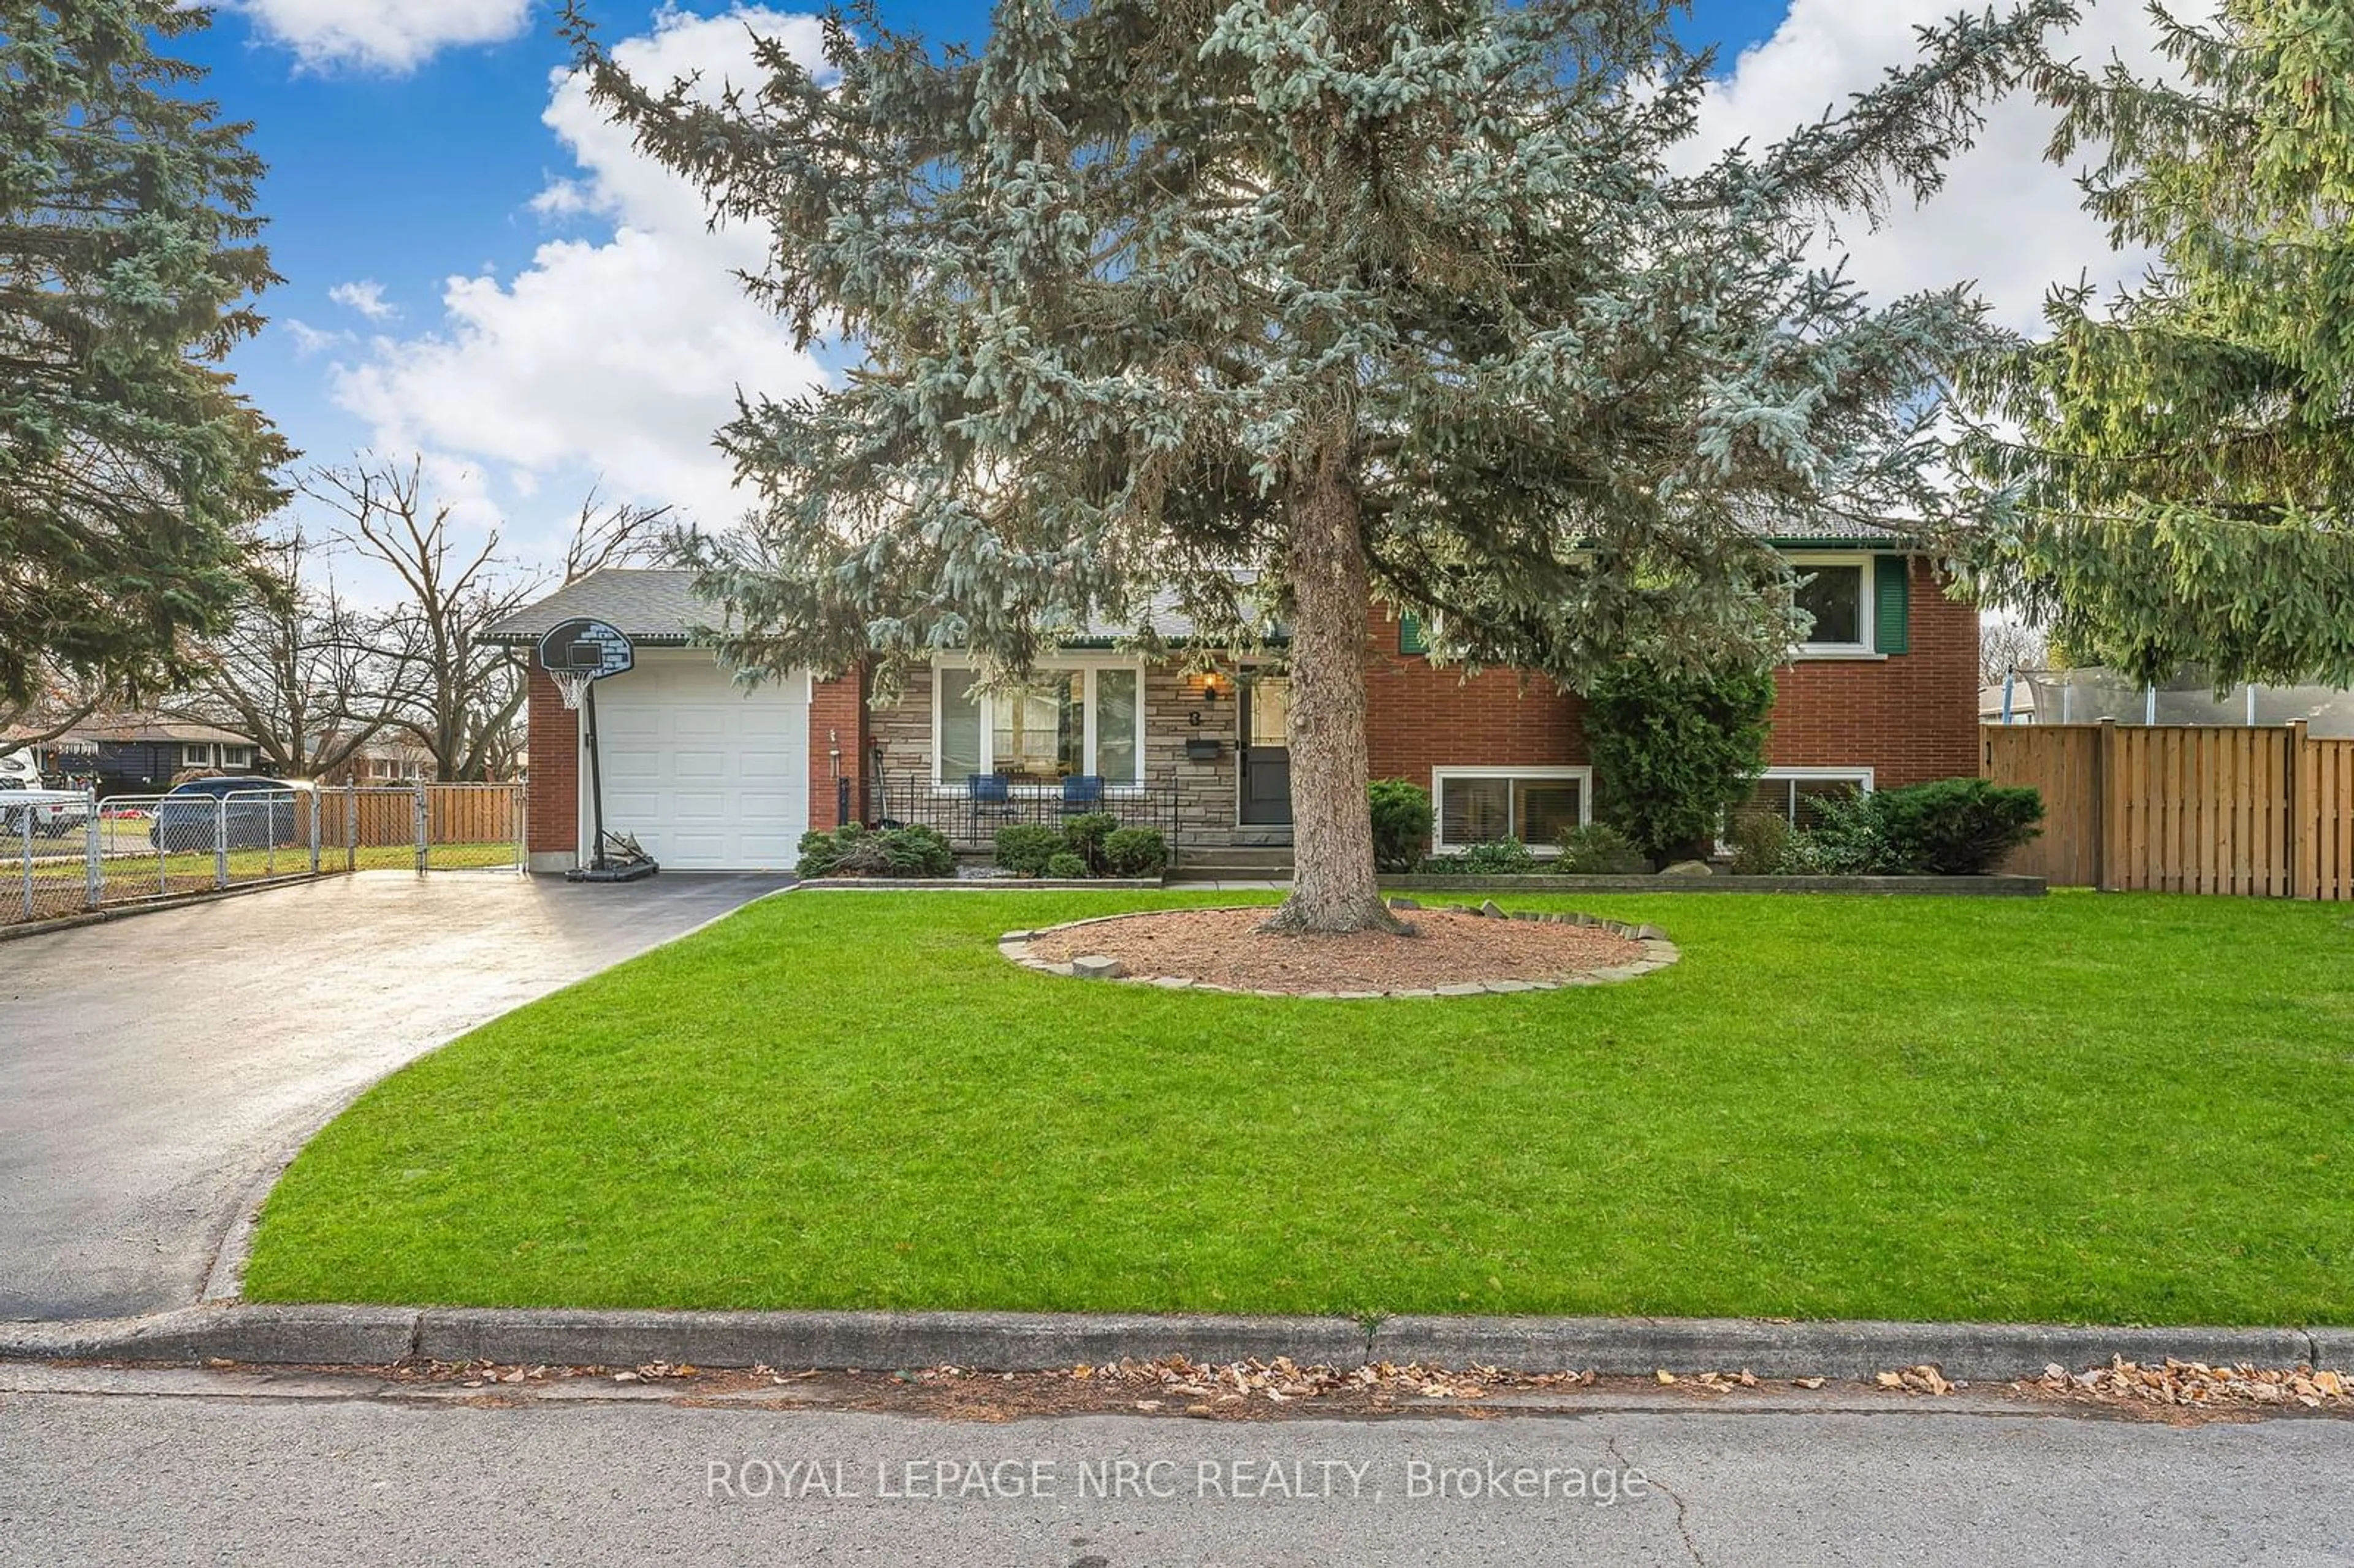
x: 1020, y: 1341
x: 1839, y: 1350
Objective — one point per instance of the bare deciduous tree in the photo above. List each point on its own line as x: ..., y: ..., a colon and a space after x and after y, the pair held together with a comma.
x: 2005, y: 645
x: 311, y: 679
x: 462, y: 698
x: 615, y: 535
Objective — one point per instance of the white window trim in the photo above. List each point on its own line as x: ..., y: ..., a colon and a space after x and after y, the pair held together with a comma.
x: 1863, y: 776
x: 196, y: 754
x: 1088, y: 667
x: 1438, y: 776
x: 1867, y: 618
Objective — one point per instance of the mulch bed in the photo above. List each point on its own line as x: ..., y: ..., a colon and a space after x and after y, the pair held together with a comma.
x: 1226, y: 948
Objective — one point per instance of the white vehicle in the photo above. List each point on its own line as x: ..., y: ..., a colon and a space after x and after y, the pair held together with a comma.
x: 53, y: 818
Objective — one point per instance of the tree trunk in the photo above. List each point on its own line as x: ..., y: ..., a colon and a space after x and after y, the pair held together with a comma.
x: 1332, y: 887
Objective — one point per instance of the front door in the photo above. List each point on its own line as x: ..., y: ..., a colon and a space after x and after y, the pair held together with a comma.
x: 1266, y: 751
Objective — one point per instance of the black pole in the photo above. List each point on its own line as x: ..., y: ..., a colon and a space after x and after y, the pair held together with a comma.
x: 595, y: 777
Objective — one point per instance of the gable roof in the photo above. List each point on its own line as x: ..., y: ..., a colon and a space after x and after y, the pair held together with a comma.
x: 658, y: 606
x: 134, y: 728
x: 645, y: 604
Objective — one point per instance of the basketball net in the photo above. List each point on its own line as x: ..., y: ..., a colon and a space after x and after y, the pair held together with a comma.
x: 571, y: 683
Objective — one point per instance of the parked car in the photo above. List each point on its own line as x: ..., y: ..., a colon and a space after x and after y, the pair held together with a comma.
x: 52, y: 818
x: 251, y: 813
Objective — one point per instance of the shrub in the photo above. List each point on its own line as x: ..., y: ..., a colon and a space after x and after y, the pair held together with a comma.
x: 1672, y: 754
x: 1598, y: 849
x: 822, y: 851
x: 1024, y: 848
x: 1849, y: 839
x: 1952, y: 827
x: 1066, y: 865
x: 1957, y: 827
x: 1136, y: 852
x: 1501, y: 857
x: 1761, y: 843
x: 1085, y: 837
x: 917, y: 851
x: 1400, y: 823
x: 851, y: 850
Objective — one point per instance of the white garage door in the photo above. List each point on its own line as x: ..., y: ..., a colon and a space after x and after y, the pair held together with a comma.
x: 706, y: 776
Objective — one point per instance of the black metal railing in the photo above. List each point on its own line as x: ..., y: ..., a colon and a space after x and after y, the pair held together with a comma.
x: 971, y: 824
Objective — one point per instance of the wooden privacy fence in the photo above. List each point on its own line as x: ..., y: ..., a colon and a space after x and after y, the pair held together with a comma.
x: 2262, y: 812
x: 388, y: 818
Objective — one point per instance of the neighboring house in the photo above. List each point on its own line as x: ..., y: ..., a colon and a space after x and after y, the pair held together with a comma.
x: 709, y: 775
x: 386, y: 762
x: 2006, y: 702
x: 140, y: 754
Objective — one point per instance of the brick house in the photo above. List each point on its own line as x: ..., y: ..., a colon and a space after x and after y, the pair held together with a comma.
x: 710, y: 775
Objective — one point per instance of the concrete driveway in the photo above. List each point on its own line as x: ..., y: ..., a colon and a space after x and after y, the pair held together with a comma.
x: 154, y: 1071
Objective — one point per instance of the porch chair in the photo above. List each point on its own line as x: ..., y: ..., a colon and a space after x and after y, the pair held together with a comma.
x: 1082, y: 793
x: 988, y: 795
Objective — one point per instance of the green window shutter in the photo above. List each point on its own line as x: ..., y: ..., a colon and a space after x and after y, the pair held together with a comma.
x: 1411, y: 642
x: 1893, y: 604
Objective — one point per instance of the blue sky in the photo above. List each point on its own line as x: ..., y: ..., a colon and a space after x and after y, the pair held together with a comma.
x: 410, y: 145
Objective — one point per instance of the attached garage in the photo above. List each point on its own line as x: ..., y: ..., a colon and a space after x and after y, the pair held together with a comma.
x: 704, y: 774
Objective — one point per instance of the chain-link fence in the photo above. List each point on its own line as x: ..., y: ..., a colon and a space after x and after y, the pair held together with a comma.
x: 75, y: 853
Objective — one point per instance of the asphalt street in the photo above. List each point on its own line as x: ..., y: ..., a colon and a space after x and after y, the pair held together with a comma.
x: 183, y: 1467
x: 159, y: 1068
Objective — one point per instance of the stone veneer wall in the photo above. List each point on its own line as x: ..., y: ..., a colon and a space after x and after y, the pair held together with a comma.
x: 1205, y: 790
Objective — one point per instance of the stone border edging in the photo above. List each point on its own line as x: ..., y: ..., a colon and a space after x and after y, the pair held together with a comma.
x: 1032, y: 1341
x: 1546, y: 881
x: 1658, y: 954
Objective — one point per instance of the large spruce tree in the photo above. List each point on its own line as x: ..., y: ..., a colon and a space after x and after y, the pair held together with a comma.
x: 1288, y: 306
x: 2175, y: 466
x: 131, y: 472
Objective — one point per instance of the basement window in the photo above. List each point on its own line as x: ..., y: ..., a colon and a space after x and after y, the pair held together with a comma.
x: 1534, y: 805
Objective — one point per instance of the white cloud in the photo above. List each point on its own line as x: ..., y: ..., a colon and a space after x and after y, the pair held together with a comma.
x: 2006, y: 218
x: 384, y: 35
x: 613, y: 359
x: 309, y: 340
x: 367, y: 296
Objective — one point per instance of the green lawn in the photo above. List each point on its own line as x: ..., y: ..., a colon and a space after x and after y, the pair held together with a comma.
x: 2109, y: 1108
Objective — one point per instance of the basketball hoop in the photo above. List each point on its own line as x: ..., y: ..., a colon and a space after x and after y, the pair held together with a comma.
x: 576, y: 656
x: 579, y: 652
x: 571, y: 684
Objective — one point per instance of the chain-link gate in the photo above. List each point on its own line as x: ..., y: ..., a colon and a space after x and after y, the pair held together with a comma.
x: 73, y: 851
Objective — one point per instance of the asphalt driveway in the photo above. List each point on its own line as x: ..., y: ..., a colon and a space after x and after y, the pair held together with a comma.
x: 153, y: 1071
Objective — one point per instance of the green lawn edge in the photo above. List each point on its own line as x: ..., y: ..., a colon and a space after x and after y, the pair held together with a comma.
x: 2083, y: 1109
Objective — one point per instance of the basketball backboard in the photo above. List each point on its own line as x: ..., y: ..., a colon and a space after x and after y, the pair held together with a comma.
x: 585, y: 650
